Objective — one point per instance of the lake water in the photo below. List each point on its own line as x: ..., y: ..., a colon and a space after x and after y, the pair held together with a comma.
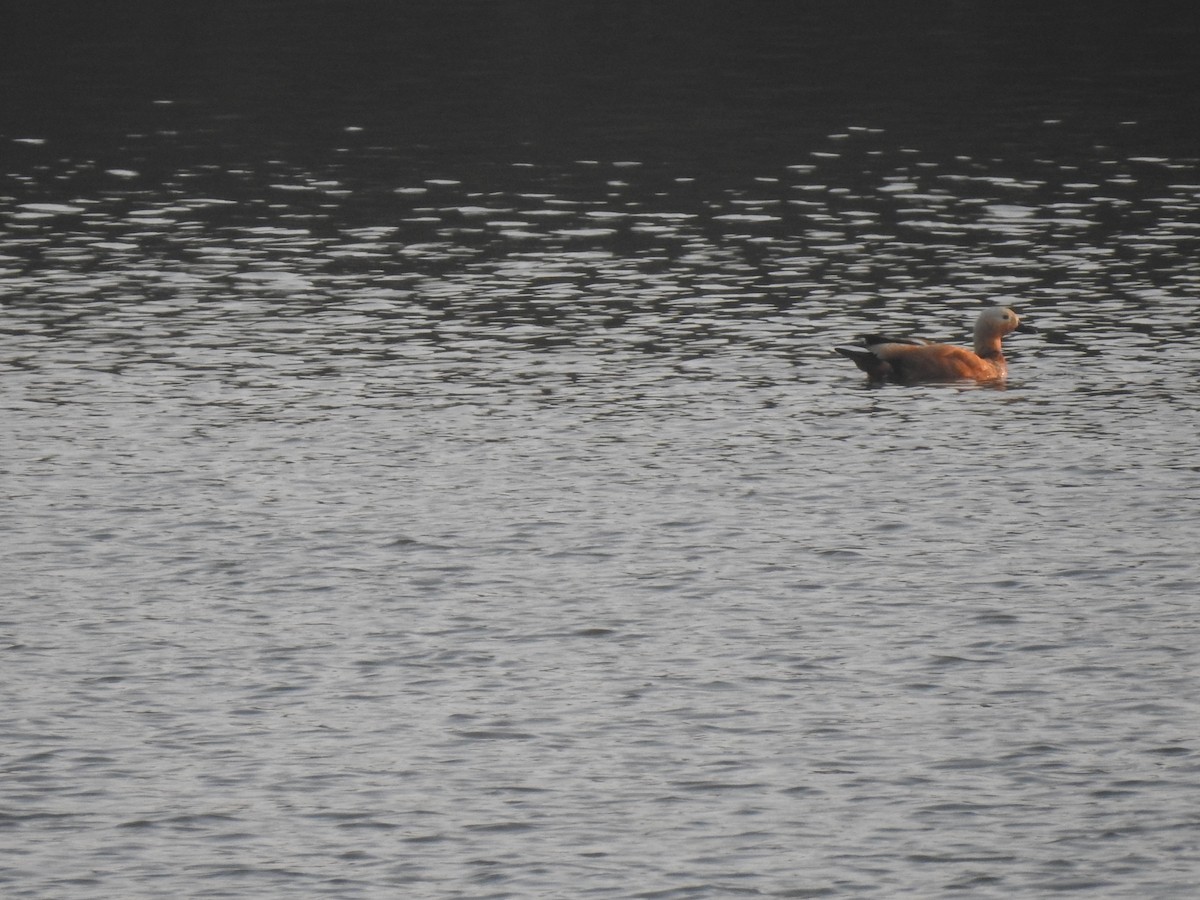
x: 425, y: 472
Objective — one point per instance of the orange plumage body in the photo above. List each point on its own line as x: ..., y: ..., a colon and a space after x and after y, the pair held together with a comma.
x: 908, y: 360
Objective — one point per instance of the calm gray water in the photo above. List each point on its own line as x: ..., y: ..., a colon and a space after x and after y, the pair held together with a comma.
x: 385, y: 522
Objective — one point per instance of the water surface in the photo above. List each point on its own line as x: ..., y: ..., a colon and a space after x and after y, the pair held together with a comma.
x: 477, y: 510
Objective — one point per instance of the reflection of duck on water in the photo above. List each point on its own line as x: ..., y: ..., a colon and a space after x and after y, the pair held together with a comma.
x: 909, y: 360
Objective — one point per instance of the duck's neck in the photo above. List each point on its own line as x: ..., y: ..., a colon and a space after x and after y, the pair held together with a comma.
x: 987, y: 346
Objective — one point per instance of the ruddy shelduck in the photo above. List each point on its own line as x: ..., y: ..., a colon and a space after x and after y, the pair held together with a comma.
x: 910, y: 360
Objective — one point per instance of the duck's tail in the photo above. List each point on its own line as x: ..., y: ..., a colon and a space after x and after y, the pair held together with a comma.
x: 875, y: 367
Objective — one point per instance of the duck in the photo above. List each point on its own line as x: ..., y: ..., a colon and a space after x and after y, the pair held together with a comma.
x: 910, y: 360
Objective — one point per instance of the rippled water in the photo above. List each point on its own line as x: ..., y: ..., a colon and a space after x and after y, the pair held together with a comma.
x: 384, y: 523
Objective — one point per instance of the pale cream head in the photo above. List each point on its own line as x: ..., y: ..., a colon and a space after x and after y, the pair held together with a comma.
x: 995, y: 323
